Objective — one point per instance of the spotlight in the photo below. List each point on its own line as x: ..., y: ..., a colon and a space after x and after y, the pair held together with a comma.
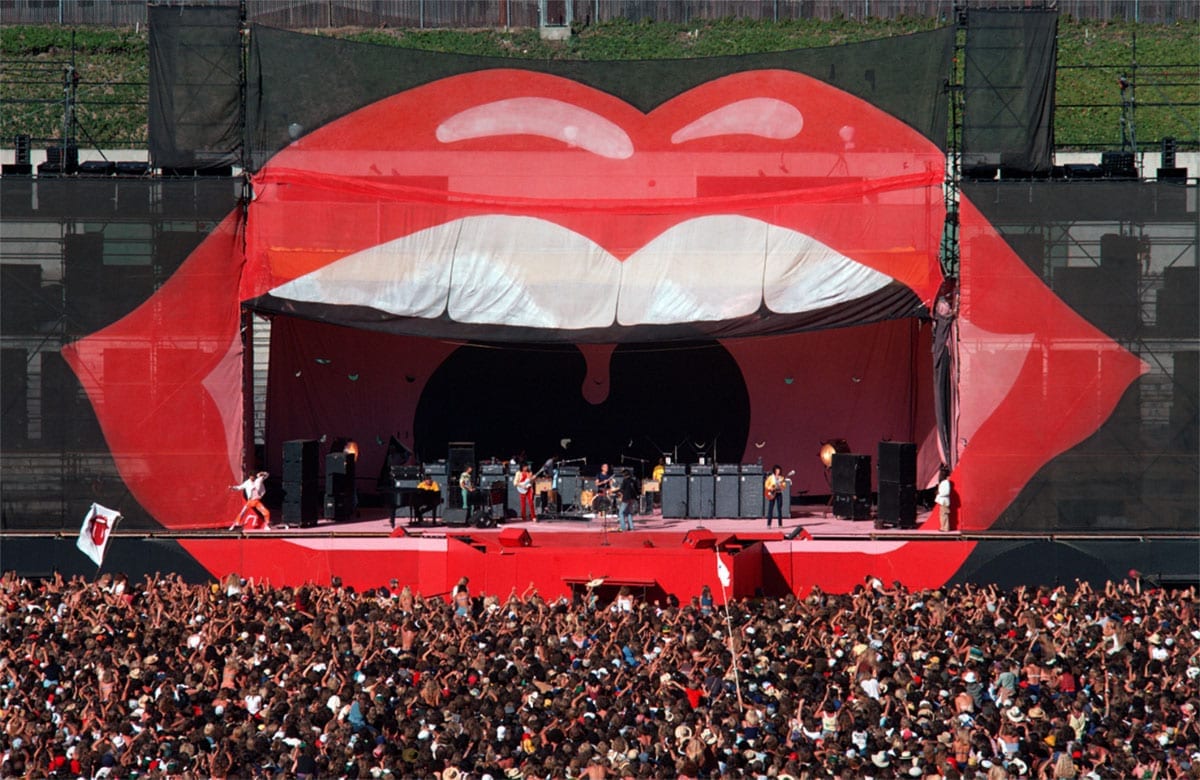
x: 831, y: 447
x: 351, y: 449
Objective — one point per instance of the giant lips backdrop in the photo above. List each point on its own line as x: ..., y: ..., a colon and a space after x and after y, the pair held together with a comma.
x: 733, y: 256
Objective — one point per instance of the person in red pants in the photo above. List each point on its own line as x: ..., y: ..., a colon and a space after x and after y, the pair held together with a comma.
x: 524, y: 483
x: 254, y: 513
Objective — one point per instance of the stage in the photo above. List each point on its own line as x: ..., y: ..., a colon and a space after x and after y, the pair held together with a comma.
x: 557, y: 556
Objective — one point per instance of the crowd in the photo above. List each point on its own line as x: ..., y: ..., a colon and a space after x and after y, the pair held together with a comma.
x: 162, y: 679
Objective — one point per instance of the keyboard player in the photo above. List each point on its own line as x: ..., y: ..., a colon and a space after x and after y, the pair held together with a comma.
x: 427, y: 498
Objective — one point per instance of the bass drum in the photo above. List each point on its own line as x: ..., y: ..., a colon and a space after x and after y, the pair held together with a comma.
x: 601, y: 504
x: 585, y: 498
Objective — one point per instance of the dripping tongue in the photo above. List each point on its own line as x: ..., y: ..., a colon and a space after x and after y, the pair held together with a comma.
x: 595, y: 382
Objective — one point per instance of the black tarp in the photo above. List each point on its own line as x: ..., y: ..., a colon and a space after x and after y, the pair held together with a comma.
x: 297, y: 83
x: 195, y: 86
x: 1008, y: 81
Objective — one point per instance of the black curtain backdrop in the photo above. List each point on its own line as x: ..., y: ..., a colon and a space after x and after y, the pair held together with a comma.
x: 195, y: 86
x: 296, y: 83
x: 1008, y: 113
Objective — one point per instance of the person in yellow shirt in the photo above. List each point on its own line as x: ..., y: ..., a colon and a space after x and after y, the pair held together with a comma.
x: 429, y: 495
x: 776, y: 487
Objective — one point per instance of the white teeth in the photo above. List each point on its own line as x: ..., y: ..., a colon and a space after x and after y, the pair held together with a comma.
x: 802, y: 274
x: 396, y: 277
x: 515, y: 271
x: 702, y: 270
x: 527, y: 272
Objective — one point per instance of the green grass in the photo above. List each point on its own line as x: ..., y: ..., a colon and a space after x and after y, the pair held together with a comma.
x: 113, y: 69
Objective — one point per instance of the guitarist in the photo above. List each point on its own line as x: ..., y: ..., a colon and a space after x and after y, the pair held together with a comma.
x: 604, y: 486
x: 467, y: 485
x: 524, y: 483
x: 776, y: 487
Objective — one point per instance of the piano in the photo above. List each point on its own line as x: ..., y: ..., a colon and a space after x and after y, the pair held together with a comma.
x: 405, y: 492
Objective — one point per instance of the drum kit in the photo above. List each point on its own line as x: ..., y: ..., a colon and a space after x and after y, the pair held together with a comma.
x: 590, y: 499
x: 573, y: 500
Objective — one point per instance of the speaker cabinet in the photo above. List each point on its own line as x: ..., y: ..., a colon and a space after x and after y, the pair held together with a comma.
x: 852, y: 475
x: 897, y: 505
x: 1179, y: 303
x: 848, y: 507
x: 339, y: 485
x: 1106, y: 296
x: 568, y: 486
x: 300, y: 460
x: 675, y: 492
x: 515, y: 537
x: 726, y: 495
x: 751, y: 501
x: 438, y: 471
x: 898, y: 462
x: 338, y: 508
x: 301, y: 503
x: 461, y: 454
x: 701, y: 499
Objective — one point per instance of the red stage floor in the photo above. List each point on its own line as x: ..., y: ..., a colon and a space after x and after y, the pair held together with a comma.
x: 556, y: 557
x: 815, y: 519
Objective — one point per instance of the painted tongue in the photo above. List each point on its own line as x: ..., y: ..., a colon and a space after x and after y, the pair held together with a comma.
x: 595, y: 381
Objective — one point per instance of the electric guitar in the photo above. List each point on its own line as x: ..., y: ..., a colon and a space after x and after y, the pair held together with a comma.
x: 524, y: 482
x: 777, y: 484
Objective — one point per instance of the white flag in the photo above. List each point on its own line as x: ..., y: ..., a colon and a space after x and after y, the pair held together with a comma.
x: 96, y: 530
x: 723, y: 572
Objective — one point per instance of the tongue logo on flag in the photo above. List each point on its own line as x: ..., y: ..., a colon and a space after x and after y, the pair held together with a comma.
x: 96, y: 531
x: 98, y: 528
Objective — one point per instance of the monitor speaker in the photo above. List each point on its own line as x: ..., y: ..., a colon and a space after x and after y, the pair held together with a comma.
x: 700, y: 539
x: 515, y: 537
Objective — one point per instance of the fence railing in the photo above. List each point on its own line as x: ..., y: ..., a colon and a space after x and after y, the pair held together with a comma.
x: 317, y: 14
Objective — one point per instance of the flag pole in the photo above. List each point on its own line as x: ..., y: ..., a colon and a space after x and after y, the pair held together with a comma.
x: 723, y: 577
